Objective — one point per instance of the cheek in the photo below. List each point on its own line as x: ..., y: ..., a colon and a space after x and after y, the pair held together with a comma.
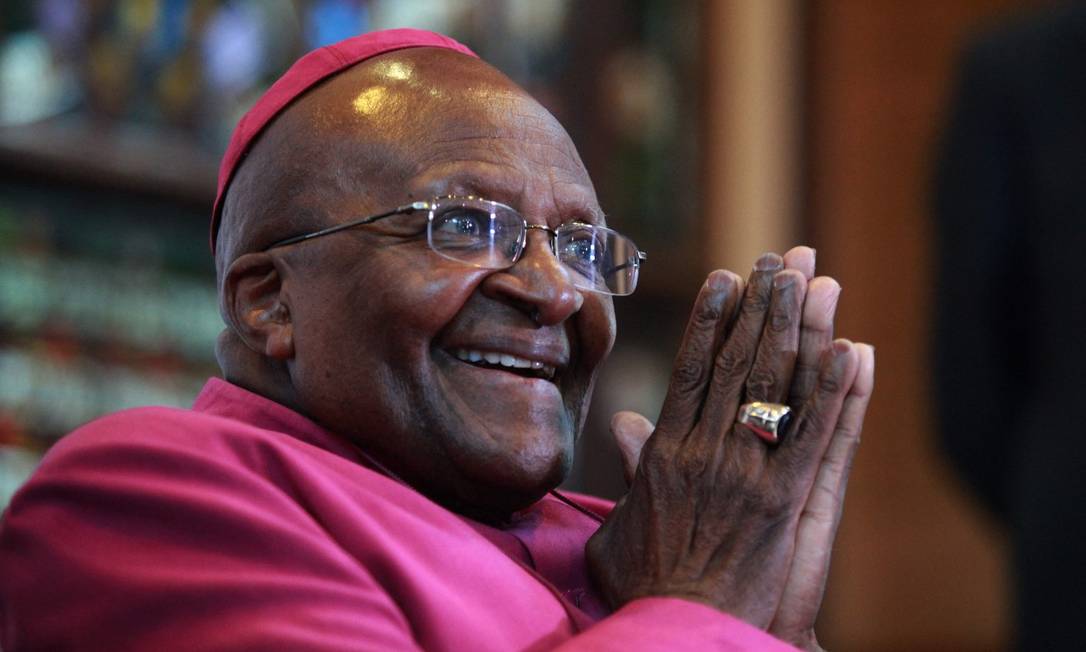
x: 418, y: 300
x: 597, y: 329
x: 595, y: 334
x: 375, y: 320
x: 395, y: 300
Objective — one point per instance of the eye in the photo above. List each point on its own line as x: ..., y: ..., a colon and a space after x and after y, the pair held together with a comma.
x: 462, y: 223
x: 583, y: 248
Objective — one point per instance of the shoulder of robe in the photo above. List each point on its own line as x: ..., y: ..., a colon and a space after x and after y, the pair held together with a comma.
x: 163, y: 439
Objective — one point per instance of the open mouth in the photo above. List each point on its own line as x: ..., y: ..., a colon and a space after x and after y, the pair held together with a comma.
x: 506, y: 362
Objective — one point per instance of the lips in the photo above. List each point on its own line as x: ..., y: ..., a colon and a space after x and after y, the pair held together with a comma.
x: 527, y: 367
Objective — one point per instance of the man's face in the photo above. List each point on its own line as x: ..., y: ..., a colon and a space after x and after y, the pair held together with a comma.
x: 382, y: 325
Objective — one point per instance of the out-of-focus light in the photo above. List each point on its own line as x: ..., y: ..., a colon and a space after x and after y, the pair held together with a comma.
x: 31, y: 87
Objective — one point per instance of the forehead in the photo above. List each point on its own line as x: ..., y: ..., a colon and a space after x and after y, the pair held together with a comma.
x: 449, y: 124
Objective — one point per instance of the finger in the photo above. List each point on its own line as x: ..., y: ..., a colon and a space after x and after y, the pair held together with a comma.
x: 630, y: 431
x: 805, y: 442
x: 816, y: 333
x: 821, y: 516
x: 771, y: 376
x: 713, y: 310
x: 801, y: 259
x: 733, y: 362
x: 828, y: 492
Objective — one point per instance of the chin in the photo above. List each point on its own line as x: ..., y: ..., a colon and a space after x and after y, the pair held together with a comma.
x: 503, y: 486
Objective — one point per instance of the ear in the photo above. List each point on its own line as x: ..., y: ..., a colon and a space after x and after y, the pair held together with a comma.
x: 255, y: 306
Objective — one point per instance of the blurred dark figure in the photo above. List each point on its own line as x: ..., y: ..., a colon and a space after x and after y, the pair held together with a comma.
x: 1010, y: 350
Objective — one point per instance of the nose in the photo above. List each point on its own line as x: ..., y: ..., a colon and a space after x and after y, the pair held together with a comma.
x: 537, y: 284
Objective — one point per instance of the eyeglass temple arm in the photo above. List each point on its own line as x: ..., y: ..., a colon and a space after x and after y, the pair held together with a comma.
x: 641, y: 255
x: 406, y: 208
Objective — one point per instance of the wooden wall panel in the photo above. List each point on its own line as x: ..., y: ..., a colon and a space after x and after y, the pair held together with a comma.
x: 917, y: 567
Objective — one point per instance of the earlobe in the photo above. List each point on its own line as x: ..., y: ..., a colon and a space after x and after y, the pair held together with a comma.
x: 256, y: 308
x: 279, y: 342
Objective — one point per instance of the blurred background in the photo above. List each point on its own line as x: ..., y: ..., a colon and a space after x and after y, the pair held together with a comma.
x: 714, y: 130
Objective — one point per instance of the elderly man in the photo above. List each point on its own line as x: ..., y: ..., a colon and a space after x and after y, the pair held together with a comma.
x: 416, y: 280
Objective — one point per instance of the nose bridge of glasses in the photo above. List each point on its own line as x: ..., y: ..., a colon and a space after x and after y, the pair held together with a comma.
x: 552, y: 235
x: 551, y: 239
x: 567, y: 268
x: 541, y: 227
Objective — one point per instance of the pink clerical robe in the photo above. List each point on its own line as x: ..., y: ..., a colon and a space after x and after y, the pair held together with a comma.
x: 242, y: 525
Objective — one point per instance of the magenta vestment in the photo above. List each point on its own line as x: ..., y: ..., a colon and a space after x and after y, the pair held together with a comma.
x: 242, y: 525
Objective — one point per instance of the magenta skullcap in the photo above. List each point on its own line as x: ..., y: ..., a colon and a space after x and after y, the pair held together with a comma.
x: 303, y: 75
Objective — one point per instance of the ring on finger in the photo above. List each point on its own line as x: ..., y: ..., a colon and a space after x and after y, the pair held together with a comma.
x: 767, y: 420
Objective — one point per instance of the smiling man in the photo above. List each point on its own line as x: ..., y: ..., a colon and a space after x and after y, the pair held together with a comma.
x: 417, y: 283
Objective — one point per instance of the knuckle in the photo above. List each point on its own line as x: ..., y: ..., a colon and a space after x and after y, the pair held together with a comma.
x: 707, y: 314
x: 841, y: 468
x: 761, y: 384
x: 849, y: 434
x: 818, y: 517
x: 691, y: 466
x: 830, y: 384
x: 689, y: 373
x: 755, y: 302
x: 731, y: 362
x: 780, y: 321
x: 657, y: 453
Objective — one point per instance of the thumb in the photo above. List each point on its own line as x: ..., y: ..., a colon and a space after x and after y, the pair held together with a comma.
x: 631, y: 431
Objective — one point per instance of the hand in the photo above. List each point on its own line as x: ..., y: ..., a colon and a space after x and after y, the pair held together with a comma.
x: 631, y: 430
x: 768, y: 554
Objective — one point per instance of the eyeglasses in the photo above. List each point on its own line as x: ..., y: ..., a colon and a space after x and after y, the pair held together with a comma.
x: 490, y: 235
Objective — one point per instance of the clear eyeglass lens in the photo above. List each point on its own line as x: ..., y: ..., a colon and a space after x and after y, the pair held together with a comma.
x: 602, y: 260
x: 476, y: 232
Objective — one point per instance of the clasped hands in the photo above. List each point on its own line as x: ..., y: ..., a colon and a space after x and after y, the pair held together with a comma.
x: 713, y: 514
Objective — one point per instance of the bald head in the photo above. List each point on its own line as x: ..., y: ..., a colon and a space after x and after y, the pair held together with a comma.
x: 362, y: 134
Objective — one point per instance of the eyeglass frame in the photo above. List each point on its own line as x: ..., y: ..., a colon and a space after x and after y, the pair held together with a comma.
x: 431, y: 206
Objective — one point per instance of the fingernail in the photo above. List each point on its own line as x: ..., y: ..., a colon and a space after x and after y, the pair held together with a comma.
x: 717, y: 284
x: 841, y: 347
x: 782, y: 281
x: 718, y: 280
x: 767, y: 262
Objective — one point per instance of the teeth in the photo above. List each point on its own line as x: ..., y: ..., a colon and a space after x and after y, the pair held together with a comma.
x: 505, y: 360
